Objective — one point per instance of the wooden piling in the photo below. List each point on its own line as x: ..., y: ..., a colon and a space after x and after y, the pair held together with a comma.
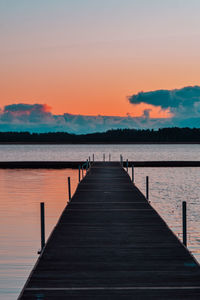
x: 69, y: 188
x: 82, y: 172
x: 86, y: 165
x: 184, y: 222
x: 42, y: 225
x: 133, y: 174
x: 147, y: 187
x: 79, y: 173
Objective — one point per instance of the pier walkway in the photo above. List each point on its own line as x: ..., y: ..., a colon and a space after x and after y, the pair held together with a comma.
x: 111, y: 244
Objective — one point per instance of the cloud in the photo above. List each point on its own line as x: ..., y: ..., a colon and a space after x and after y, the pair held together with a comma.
x: 38, y: 118
x: 184, y: 105
x: 181, y: 103
x: 27, y: 108
x: 26, y: 113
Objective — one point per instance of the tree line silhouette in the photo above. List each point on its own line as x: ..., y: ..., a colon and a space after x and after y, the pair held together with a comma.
x: 163, y: 135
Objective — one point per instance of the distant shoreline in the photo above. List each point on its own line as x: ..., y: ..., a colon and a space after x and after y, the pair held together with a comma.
x: 163, y: 136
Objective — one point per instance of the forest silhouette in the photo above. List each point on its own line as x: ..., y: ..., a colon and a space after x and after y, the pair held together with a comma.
x: 164, y: 135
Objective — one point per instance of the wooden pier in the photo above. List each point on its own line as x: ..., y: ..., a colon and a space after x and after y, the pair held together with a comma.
x: 111, y: 244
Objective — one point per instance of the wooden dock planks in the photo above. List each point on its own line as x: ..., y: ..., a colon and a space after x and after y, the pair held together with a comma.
x: 111, y: 244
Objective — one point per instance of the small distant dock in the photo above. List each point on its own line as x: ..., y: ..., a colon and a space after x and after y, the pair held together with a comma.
x: 109, y: 243
x: 76, y: 164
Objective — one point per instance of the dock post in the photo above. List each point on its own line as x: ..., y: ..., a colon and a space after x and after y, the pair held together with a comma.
x: 87, y: 165
x: 184, y: 222
x: 147, y: 187
x: 121, y: 160
x: 42, y: 221
x: 82, y: 172
x: 127, y: 165
x: 133, y: 173
x: 79, y: 173
x: 93, y: 157
x: 69, y: 188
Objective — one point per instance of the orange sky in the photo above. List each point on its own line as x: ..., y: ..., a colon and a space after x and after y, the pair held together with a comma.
x: 89, y: 87
x: 86, y: 59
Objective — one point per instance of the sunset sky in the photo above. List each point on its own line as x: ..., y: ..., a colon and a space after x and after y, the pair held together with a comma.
x: 87, y: 56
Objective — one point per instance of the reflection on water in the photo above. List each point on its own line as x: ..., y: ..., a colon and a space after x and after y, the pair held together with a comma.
x: 23, y: 190
x: 21, y: 193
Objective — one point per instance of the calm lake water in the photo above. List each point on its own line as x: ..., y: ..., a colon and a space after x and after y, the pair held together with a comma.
x: 81, y: 152
x: 21, y: 191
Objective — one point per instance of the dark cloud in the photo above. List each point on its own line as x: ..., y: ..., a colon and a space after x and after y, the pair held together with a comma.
x: 169, y: 99
x: 26, y: 108
x: 33, y: 113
